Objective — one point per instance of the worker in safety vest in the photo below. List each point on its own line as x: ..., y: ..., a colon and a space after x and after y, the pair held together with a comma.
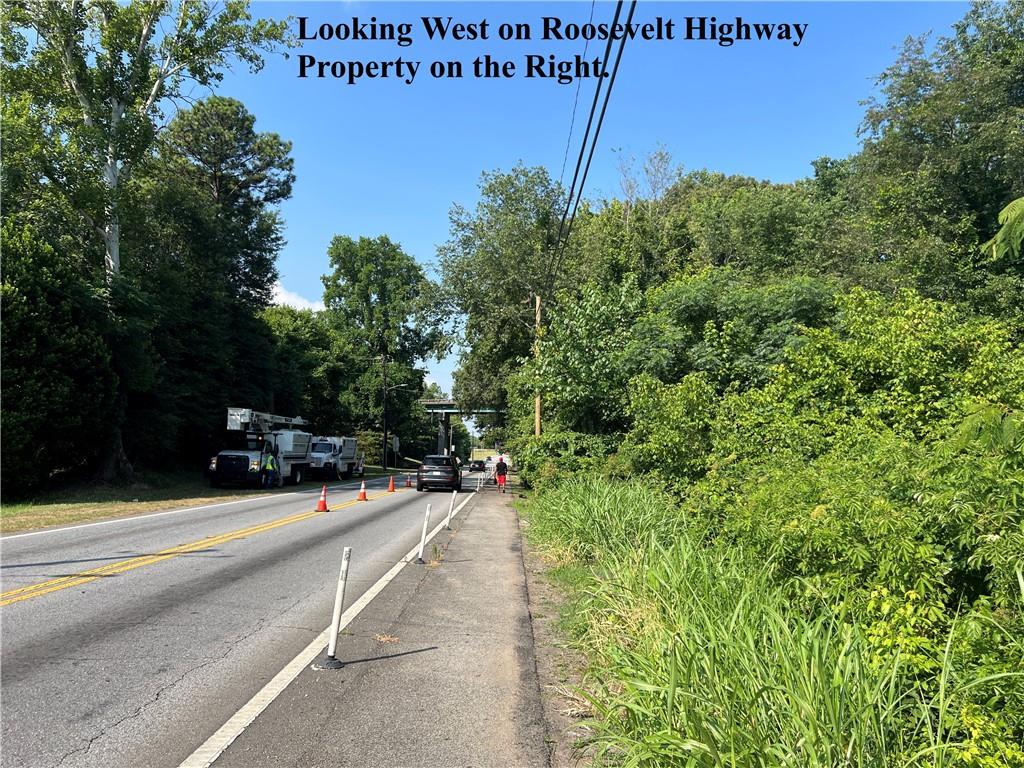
x: 269, y: 468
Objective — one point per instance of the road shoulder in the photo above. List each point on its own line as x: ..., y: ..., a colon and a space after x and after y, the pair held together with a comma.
x: 560, y: 668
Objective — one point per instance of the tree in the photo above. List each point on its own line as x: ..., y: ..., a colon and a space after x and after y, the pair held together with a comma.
x: 58, y: 376
x: 943, y: 154
x: 202, y: 226
x: 953, y: 114
x: 496, y: 261
x: 461, y: 439
x: 374, y: 297
x: 100, y: 74
x: 636, y: 235
x: 315, y: 370
x: 374, y: 289
x: 87, y: 99
x: 585, y: 360
x: 239, y: 175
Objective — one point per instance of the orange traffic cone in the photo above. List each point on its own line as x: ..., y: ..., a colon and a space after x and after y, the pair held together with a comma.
x: 321, y: 506
x: 362, y: 492
x: 391, y: 484
x: 408, y: 481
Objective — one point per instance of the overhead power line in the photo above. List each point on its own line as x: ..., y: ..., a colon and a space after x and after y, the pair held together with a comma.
x: 600, y: 121
x: 576, y: 193
x: 590, y: 122
x: 576, y: 101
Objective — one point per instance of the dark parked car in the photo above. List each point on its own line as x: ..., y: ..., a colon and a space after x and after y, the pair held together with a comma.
x: 439, y: 472
x: 477, y: 465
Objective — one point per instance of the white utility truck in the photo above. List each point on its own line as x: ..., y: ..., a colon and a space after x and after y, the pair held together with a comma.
x: 334, y: 457
x: 250, y: 436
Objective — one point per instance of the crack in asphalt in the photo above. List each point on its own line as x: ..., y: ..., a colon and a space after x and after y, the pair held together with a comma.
x: 138, y: 711
x: 233, y: 644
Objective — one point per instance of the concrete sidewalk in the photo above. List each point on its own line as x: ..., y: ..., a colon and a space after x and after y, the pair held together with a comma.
x: 440, y: 667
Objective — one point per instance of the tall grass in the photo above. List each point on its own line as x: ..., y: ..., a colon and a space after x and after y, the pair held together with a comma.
x: 697, y: 659
x: 586, y: 518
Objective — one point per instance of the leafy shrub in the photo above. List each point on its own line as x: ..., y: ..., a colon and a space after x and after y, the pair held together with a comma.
x: 914, y: 365
x: 587, y: 356
x: 848, y: 538
x: 559, y: 453
x: 671, y: 426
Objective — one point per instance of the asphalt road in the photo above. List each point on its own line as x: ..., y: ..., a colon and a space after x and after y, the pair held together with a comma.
x: 455, y: 685
x: 151, y: 632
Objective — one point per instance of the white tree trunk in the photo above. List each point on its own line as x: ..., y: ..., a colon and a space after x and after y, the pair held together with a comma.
x: 112, y: 225
x: 112, y: 243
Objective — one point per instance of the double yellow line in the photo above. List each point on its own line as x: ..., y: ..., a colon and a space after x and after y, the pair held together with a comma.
x: 123, y: 566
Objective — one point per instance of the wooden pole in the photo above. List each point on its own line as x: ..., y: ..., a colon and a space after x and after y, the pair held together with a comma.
x: 536, y: 405
x: 384, y: 419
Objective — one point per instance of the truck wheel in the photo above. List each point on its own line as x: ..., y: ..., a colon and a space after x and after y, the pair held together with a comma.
x: 347, y: 474
x: 297, y: 476
x: 419, y: 487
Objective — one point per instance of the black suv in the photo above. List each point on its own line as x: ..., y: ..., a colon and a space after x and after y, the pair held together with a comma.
x: 477, y: 465
x: 439, y: 472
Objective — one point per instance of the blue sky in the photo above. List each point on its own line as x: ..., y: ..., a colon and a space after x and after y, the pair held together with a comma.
x: 383, y: 157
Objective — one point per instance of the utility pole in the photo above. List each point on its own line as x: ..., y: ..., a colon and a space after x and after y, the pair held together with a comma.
x: 384, y: 418
x: 536, y: 405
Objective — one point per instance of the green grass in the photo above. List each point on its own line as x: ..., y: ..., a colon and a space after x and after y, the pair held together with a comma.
x: 629, y: 514
x: 697, y: 658
x: 148, y: 492
x: 573, y: 580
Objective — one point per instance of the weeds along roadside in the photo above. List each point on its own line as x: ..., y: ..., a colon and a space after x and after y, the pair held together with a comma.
x: 698, y: 655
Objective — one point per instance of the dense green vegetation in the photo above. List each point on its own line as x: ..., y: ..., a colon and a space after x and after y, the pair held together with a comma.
x: 866, y: 500
x: 783, y: 430
x: 783, y: 423
x: 139, y: 251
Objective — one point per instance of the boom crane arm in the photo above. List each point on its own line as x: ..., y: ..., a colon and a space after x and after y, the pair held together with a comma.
x: 248, y: 420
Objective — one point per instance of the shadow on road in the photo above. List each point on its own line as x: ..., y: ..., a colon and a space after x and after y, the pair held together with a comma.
x: 125, y: 557
x: 347, y: 662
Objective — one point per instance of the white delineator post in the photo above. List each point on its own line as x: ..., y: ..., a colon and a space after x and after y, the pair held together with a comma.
x: 423, y: 536
x: 339, y: 600
x: 451, y: 506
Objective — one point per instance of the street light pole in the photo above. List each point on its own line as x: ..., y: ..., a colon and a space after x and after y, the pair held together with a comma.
x: 384, y: 418
x: 536, y: 352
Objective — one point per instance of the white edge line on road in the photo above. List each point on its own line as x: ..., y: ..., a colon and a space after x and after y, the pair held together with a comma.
x: 177, y: 511
x: 214, y: 746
